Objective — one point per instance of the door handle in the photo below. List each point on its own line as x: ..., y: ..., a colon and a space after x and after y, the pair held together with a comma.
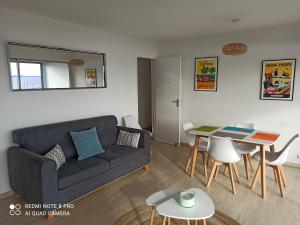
x: 177, y: 102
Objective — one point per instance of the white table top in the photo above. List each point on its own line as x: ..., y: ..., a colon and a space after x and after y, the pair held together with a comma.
x: 160, y: 197
x: 246, y: 139
x: 203, y: 209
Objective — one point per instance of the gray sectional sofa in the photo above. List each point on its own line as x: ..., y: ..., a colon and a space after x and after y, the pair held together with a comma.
x: 35, y: 178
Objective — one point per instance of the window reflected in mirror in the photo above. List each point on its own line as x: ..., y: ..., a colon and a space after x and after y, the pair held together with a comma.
x: 39, y: 68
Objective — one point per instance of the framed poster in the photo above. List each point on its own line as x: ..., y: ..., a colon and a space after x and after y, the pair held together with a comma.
x: 206, y: 74
x: 91, y: 77
x: 277, y: 79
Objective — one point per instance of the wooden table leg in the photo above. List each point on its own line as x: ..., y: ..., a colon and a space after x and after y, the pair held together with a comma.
x: 196, y: 222
x: 263, y: 172
x: 204, y: 222
x: 188, y: 163
x: 152, y: 216
x: 188, y: 222
x: 272, y: 148
x: 204, y: 163
x: 195, y: 155
x: 169, y: 221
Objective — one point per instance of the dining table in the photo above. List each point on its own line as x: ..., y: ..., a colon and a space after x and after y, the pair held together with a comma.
x: 262, y: 139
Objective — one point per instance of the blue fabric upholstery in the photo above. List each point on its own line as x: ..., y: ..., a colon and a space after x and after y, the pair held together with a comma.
x: 40, y: 139
x: 86, y: 143
x: 74, y: 171
x: 35, y: 178
x: 118, y: 155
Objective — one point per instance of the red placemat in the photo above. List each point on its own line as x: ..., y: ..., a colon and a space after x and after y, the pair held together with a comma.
x: 265, y: 136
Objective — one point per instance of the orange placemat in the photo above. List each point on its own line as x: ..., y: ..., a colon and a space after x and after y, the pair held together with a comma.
x: 265, y: 136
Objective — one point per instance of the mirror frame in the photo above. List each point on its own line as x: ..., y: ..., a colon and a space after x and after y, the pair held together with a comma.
x: 8, y: 43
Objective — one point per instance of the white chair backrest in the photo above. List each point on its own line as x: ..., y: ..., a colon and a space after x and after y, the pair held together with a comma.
x: 245, y: 125
x: 283, y: 154
x: 222, y: 149
x: 187, y: 127
x: 131, y: 122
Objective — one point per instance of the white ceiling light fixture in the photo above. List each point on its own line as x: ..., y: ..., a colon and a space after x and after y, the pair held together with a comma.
x: 235, y: 48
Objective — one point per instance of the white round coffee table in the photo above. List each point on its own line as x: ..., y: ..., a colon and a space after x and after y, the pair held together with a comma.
x: 157, y: 198
x: 168, y: 207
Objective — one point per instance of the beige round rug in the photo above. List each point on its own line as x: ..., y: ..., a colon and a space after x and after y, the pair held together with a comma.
x: 141, y: 216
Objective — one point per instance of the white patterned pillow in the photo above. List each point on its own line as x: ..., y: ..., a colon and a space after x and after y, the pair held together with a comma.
x: 128, y: 139
x: 57, y: 155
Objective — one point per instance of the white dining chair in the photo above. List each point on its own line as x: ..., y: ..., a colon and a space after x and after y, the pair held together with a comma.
x: 245, y: 150
x: 202, y: 148
x: 223, y: 151
x: 131, y: 122
x: 276, y: 161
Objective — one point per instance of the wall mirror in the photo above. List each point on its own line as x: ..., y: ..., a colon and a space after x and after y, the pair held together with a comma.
x: 34, y: 67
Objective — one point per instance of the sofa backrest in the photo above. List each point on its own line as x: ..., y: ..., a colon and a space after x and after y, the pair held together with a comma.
x: 40, y: 139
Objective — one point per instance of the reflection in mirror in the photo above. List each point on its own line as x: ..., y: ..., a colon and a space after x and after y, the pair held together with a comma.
x: 38, y: 67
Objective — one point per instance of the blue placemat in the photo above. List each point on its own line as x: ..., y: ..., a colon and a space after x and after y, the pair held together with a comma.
x: 239, y: 129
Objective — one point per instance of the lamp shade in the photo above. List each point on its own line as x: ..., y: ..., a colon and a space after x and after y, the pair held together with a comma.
x: 77, y: 62
x: 235, y: 49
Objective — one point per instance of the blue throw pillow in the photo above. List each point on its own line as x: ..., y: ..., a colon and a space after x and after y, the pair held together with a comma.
x: 87, y: 143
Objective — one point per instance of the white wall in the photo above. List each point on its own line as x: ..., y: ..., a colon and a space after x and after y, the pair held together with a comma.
x: 22, y: 109
x: 237, y: 98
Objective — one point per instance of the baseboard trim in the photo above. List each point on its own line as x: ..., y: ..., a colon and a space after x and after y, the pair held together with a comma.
x: 6, y: 194
x: 184, y: 144
x: 293, y: 165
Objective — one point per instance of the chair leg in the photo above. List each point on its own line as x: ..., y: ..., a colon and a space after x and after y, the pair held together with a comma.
x: 204, y: 163
x: 189, y: 161
x: 217, y: 171
x: 279, y: 180
x: 282, y: 176
x: 225, y: 170
x: 275, y: 174
x: 209, y: 160
x: 257, y: 175
x: 212, y: 173
x: 250, y: 161
x: 236, y: 171
x: 165, y: 220
x: 152, y: 216
x: 231, y: 178
x: 246, y: 166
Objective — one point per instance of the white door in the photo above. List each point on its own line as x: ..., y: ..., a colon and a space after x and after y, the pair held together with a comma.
x: 167, y: 85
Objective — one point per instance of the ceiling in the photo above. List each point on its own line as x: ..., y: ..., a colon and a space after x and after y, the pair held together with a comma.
x: 164, y: 19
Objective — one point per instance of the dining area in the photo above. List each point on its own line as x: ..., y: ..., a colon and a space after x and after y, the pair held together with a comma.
x: 222, y: 147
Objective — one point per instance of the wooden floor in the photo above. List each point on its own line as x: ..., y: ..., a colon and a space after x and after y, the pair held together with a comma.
x: 104, y: 206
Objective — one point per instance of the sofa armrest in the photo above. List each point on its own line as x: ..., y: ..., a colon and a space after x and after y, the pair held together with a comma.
x: 144, y: 141
x: 32, y: 176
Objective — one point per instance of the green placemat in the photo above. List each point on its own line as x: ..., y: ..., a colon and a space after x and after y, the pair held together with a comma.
x: 207, y: 129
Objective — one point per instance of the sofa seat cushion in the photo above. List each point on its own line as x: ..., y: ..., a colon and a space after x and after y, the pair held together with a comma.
x: 74, y: 171
x: 118, y: 155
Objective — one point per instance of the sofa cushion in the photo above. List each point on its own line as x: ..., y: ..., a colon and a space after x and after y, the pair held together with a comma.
x: 57, y: 155
x: 118, y: 155
x: 128, y: 139
x: 74, y: 171
x: 87, y: 143
x: 41, y: 138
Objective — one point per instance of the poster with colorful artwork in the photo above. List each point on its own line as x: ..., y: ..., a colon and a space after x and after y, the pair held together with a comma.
x: 277, y: 82
x: 206, y: 74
